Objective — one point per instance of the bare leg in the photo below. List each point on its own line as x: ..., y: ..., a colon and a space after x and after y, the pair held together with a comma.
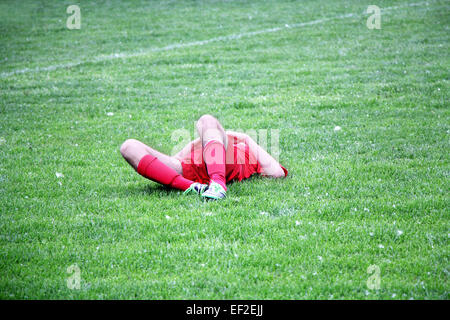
x: 214, y: 139
x: 209, y: 128
x: 133, y: 151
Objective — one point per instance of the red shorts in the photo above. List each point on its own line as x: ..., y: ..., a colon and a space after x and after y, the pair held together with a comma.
x: 240, y: 164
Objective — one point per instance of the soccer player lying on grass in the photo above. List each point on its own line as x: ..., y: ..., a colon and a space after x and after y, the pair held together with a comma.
x: 205, y: 165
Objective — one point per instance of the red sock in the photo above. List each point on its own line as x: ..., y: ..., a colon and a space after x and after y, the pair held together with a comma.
x: 153, y: 169
x: 214, y: 156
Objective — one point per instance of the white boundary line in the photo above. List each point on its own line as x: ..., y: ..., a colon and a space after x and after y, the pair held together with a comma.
x: 231, y: 37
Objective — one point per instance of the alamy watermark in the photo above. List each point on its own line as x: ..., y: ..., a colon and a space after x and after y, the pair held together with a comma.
x: 374, y: 280
x: 74, y: 280
x: 74, y: 20
x: 255, y: 140
x: 374, y: 20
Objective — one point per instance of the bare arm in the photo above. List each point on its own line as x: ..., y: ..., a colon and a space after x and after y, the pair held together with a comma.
x: 269, y: 166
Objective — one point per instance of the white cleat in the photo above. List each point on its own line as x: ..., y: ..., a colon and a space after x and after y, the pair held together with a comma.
x: 196, y: 187
x: 214, y: 192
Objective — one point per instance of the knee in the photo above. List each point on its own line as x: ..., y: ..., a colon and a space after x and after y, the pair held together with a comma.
x: 127, y: 147
x: 205, y: 122
x: 206, y: 119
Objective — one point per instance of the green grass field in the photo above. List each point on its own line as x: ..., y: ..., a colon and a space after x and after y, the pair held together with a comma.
x: 374, y: 193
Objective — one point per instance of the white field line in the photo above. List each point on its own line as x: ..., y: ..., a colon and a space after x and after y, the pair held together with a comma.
x: 231, y: 37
